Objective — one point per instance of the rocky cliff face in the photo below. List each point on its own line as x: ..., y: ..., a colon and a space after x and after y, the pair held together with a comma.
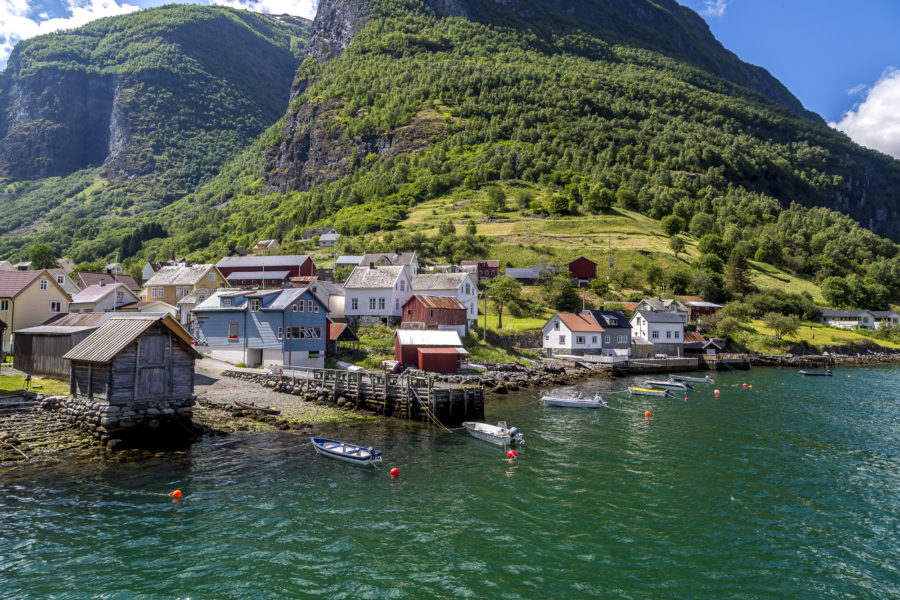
x: 53, y: 122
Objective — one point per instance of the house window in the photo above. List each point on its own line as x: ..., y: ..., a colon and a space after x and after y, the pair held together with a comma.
x: 676, y: 335
x: 297, y: 308
x: 396, y: 303
x: 55, y: 307
x: 120, y: 297
x: 354, y: 304
x: 212, y: 276
x: 562, y: 339
x: 316, y: 332
x: 668, y: 335
x: 594, y: 339
x: 468, y: 289
x: 232, y: 330
x: 607, y: 338
x: 556, y: 325
x: 181, y: 291
x: 4, y: 305
x: 381, y: 304
x: 402, y: 285
x: 44, y: 284
x: 157, y: 292
x: 546, y: 338
x: 226, y: 301
x: 371, y: 303
x: 655, y: 335
x: 309, y: 306
x: 613, y: 321
x: 315, y: 308
x: 621, y: 339
x: 279, y: 332
x: 579, y: 339
x: 60, y: 279
x: 254, y: 304
x: 295, y: 332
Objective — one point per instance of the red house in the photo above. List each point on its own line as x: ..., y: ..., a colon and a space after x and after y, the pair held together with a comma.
x: 436, y: 312
x: 408, y: 342
x: 583, y: 271
x: 486, y: 269
x: 439, y: 360
x: 265, y: 271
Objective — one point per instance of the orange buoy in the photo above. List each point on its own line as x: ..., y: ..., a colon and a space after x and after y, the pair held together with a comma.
x: 647, y: 413
x: 176, y: 494
x: 395, y: 472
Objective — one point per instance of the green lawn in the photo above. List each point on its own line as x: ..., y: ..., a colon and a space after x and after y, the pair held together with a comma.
x: 759, y: 338
x: 11, y: 383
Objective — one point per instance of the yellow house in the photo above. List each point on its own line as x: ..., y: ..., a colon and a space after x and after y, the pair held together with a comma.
x: 171, y: 284
x: 27, y: 299
x: 266, y: 247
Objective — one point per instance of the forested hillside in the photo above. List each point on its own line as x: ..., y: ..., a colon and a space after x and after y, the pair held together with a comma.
x: 126, y: 114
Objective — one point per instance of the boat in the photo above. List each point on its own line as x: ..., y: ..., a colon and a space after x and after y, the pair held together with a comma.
x: 680, y: 385
x: 495, y: 434
x: 642, y: 391
x: 816, y: 373
x: 350, y: 453
x: 251, y: 406
x: 687, y: 379
x: 574, y: 401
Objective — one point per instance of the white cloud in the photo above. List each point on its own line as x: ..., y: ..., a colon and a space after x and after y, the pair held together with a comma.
x: 16, y: 25
x: 298, y: 8
x: 875, y: 122
x: 714, y: 8
x: 857, y: 89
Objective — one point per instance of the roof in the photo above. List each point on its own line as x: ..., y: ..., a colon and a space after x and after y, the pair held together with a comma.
x: 320, y: 231
x: 340, y: 331
x: 13, y: 282
x: 237, y: 275
x: 582, y: 258
x: 844, y: 313
x: 693, y: 336
x: 657, y: 304
x: 641, y: 341
x: 54, y: 330
x: 448, y: 351
x: 328, y: 237
x: 583, y: 322
x: 487, y: 263
x: 605, y: 317
x: 365, y: 277
x: 78, y: 319
x: 95, y: 293
x: 529, y: 272
x: 428, y: 337
x: 703, y: 304
x: 447, y: 302
x: 328, y: 288
x: 114, y: 335
x: 89, y: 279
x: 661, y: 316
x: 348, y: 260
x: 5, y: 265
x: 884, y: 313
x: 186, y: 275
x: 394, y: 258
x: 260, y: 262
x: 266, y: 244
x: 439, y: 281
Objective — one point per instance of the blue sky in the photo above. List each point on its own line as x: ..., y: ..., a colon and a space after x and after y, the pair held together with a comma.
x: 841, y: 58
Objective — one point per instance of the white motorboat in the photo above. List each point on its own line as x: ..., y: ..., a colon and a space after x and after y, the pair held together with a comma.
x: 495, y: 434
x: 350, y: 453
x: 574, y: 401
x: 687, y: 379
x: 669, y: 383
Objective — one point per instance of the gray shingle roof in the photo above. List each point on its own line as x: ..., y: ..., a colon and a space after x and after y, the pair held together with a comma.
x: 666, y: 316
x: 98, y: 292
x: 440, y: 281
x: 178, y: 275
x: 364, y: 277
x: 402, y: 258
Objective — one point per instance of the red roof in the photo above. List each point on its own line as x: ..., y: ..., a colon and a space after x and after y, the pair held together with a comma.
x: 446, y: 351
x: 690, y: 299
x: 13, y: 282
x: 580, y: 322
x: 693, y: 336
x: 438, y: 302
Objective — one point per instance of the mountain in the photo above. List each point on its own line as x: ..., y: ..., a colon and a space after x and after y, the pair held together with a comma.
x: 151, y: 103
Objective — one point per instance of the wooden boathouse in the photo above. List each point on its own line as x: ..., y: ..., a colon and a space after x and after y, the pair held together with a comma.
x: 412, y: 395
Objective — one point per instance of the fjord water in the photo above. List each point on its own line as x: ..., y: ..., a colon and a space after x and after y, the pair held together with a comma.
x: 788, y: 489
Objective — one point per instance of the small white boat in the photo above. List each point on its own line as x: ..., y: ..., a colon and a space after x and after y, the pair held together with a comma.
x: 669, y: 383
x: 687, y: 379
x: 574, y: 401
x: 350, y: 453
x: 643, y: 391
x: 495, y: 434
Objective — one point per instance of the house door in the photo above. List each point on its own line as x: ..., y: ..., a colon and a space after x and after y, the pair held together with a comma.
x: 152, y: 380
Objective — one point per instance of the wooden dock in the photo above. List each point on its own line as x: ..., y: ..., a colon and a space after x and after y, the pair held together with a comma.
x: 720, y: 362
x: 412, y: 395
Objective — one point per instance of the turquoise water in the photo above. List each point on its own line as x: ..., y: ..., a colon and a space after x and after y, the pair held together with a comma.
x: 788, y: 489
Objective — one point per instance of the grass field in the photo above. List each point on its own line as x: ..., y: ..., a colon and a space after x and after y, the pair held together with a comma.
x: 757, y: 337
x: 11, y: 383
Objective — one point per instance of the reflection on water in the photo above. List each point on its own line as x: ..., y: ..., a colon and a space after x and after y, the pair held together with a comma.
x: 784, y: 490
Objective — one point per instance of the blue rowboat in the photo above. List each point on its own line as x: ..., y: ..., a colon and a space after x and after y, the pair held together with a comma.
x: 350, y: 453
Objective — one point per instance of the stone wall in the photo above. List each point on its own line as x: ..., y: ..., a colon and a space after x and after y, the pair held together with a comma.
x: 522, y: 340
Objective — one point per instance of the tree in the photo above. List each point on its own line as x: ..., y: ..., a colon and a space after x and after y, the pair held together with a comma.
x: 653, y: 274
x: 471, y: 228
x: 557, y: 204
x: 737, y: 275
x: 672, y: 224
x: 560, y: 293
x: 701, y: 223
x: 505, y: 291
x: 836, y: 292
x: 713, y: 244
x: 782, y: 324
x: 676, y: 244
x: 726, y: 326
x: 42, y: 257
x: 599, y: 199
x: 709, y: 262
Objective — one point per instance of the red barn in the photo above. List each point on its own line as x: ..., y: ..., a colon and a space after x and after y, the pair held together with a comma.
x: 439, y: 360
x: 436, y: 312
x: 407, y: 343
x: 583, y: 271
x: 486, y: 269
x: 265, y: 270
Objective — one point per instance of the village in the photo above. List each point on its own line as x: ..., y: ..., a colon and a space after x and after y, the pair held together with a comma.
x: 128, y: 351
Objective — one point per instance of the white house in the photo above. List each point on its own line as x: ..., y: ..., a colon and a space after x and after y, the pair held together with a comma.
x: 376, y: 293
x: 405, y: 259
x: 331, y: 294
x: 570, y: 333
x: 886, y: 318
x: 462, y: 286
x: 664, y: 329
x: 64, y: 281
x: 669, y: 304
x: 849, y: 319
x: 102, y: 298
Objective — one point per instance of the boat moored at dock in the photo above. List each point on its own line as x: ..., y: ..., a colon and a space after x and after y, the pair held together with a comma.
x: 643, y: 391
x: 350, y: 453
x: 495, y: 434
x: 686, y: 379
x: 675, y: 385
x: 574, y: 401
x: 826, y: 373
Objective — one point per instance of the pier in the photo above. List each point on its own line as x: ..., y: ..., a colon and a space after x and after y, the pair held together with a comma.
x: 411, y: 396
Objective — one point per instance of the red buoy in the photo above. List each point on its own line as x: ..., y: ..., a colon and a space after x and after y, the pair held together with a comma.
x: 685, y: 398
x: 176, y: 494
x: 395, y: 472
x: 716, y: 392
x: 510, y: 454
x: 647, y: 413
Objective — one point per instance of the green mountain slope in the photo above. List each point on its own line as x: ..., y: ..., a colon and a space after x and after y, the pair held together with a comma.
x: 133, y: 111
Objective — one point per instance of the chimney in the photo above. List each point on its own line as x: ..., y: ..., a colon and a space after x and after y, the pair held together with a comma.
x: 371, y: 265
x: 102, y: 283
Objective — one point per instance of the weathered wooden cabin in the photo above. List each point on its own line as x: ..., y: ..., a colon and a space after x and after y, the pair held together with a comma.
x: 134, y: 359
x: 39, y: 350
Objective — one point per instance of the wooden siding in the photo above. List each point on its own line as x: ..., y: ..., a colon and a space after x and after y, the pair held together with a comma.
x: 43, y: 354
x: 415, y: 312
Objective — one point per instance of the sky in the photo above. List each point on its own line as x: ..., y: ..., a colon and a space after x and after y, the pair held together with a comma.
x: 841, y: 58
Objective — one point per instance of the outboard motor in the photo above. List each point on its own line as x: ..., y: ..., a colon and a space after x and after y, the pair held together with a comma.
x: 515, y: 436
x: 514, y: 432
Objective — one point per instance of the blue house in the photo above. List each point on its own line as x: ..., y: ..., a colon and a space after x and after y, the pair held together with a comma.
x: 264, y: 328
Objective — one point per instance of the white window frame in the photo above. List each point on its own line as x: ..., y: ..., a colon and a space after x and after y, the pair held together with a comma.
x: 157, y: 292
x: 579, y: 339
x: 227, y: 301
x: 60, y: 278
x: 593, y: 339
x: 212, y: 276
x: 4, y: 305
x: 279, y: 332
x: 255, y: 303
x: 354, y: 304
x: 233, y: 330
x: 607, y: 339
x: 562, y: 339
x: 668, y: 335
x: 381, y: 304
x: 44, y: 285
x: 309, y: 306
x: 655, y: 335
x: 371, y: 303
x: 58, y: 306
x: 676, y: 335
